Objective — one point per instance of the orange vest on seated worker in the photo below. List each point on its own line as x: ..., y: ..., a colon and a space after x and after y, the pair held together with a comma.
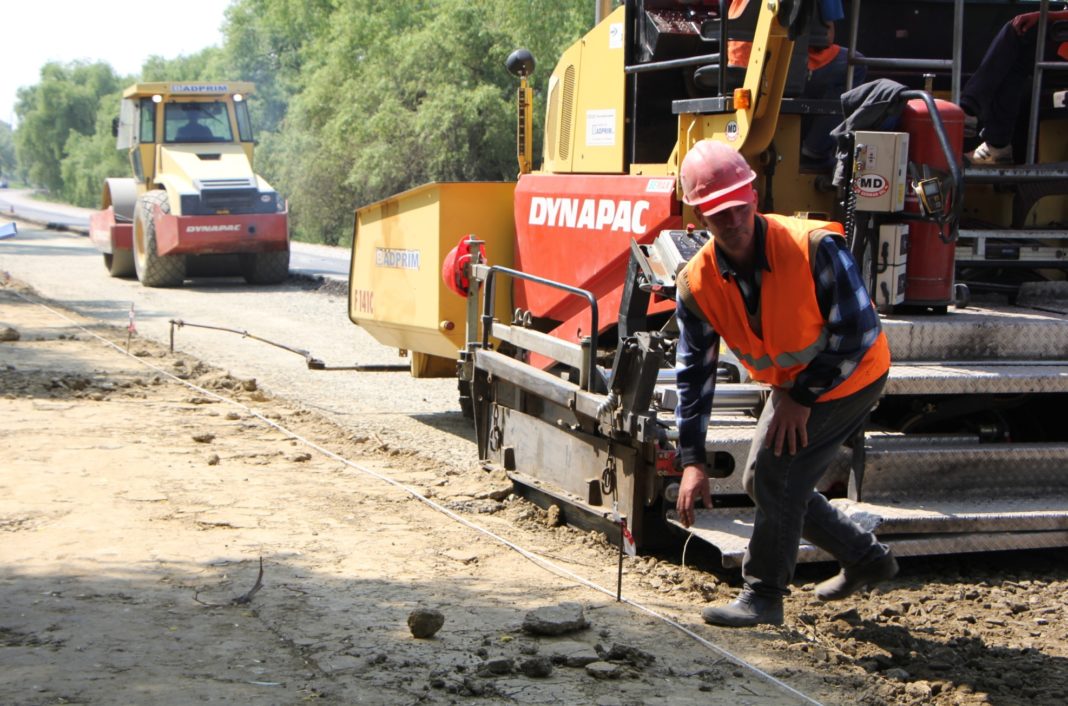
x: 794, y: 330
x: 738, y: 51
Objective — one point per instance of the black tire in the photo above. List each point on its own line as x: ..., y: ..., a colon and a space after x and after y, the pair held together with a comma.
x: 467, y: 405
x: 119, y: 263
x: 152, y: 269
x: 265, y: 267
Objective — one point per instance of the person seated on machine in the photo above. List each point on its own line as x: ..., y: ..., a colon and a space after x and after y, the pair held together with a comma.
x: 992, y: 96
x: 194, y: 131
x: 828, y: 64
x: 828, y: 67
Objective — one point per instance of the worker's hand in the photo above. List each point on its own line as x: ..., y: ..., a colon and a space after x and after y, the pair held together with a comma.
x: 789, y: 424
x: 694, y: 484
x: 1022, y: 23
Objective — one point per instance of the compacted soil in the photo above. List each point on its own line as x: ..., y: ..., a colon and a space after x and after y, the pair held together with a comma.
x: 172, y: 534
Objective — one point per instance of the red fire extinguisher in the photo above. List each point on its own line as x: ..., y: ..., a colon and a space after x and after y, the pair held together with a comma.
x: 929, y: 270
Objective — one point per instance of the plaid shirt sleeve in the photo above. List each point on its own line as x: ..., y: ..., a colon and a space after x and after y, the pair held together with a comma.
x: 852, y: 322
x: 695, y: 378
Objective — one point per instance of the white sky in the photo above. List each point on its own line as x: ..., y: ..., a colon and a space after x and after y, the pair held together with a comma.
x: 123, y: 33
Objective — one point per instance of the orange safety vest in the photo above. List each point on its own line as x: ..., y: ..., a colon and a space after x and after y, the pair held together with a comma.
x: 738, y: 51
x: 794, y: 330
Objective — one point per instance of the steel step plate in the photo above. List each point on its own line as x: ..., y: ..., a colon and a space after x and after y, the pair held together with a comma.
x: 729, y: 529
x: 971, y: 377
x: 977, y: 333
x: 895, y: 470
x: 949, y: 516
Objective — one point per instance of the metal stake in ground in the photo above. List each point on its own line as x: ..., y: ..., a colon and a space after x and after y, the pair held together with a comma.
x: 131, y: 328
x: 618, y: 519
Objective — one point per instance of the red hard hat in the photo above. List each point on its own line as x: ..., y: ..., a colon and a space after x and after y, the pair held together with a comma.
x: 714, y: 177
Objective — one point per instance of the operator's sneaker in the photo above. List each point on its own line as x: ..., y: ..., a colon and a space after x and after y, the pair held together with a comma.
x: 852, y: 578
x: 986, y: 155
x: 746, y: 610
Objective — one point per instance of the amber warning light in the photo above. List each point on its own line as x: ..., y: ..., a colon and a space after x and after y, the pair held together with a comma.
x: 742, y: 99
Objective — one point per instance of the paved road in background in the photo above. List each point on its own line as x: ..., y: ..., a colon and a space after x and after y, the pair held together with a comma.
x: 317, y: 261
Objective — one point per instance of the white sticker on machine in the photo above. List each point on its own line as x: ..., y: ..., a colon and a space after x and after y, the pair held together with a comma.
x: 397, y: 259
x: 615, y: 35
x: 601, y: 128
x: 732, y: 131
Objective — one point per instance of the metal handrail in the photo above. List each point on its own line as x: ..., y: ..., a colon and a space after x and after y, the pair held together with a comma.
x: 651, y: 66
x: 488, y: 308
x: 953, y: 64
x: 1036, y: 87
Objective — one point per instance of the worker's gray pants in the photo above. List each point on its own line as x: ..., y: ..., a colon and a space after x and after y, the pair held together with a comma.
x: 787, y: 504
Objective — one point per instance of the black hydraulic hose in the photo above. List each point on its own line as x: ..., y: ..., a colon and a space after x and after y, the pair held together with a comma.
x: 947, y: 151
x: 312, y: 362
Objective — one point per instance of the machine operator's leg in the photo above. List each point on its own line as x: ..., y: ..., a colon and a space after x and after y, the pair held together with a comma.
x: 995, y: 92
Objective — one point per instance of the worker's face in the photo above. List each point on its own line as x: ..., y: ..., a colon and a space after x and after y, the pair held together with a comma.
x: 732, y: 227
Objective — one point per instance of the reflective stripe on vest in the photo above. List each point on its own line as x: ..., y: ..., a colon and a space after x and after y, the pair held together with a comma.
x: 783, y: 360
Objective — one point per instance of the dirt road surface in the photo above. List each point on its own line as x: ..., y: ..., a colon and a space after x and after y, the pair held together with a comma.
x: 139, y: 493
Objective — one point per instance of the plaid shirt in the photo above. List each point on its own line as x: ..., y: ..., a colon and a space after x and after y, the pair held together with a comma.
x: 852, y: 327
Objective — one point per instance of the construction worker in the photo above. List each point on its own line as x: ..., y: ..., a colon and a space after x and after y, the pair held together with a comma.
x: 787, y: 297
x: 828, y: 65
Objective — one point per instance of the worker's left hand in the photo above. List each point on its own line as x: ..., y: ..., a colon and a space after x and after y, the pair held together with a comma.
x: 789, y: 424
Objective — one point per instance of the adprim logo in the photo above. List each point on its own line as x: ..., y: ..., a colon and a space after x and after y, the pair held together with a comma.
x: 397, y: 259
x: 871, y: 186
x: 589, y: 214
x: 199, y: 88
x: 227, y: 228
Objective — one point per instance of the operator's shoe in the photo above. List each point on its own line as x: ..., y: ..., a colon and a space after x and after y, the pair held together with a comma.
x: 746, y: 610
x: 852, y: 578
x: 986, y: 155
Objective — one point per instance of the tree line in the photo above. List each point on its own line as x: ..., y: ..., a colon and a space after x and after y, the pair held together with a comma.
x: 355, y: 100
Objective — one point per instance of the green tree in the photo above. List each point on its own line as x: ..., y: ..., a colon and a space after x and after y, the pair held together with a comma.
x: 93, y: 158
x: 8, y: 163
x: 206, y: 65
x: 64, y: 102
x: 433, y: 103
x: 268, y: 42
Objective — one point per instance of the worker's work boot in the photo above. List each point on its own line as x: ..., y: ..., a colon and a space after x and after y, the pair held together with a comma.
x: 852, y: 578
x: 986, y: 155
x: 746, y: 610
